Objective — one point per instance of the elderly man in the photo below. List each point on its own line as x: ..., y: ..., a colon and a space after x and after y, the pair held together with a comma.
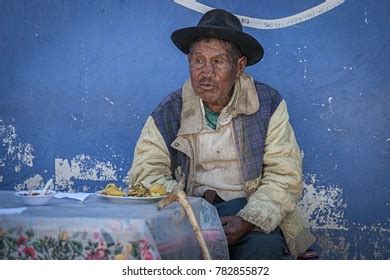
x: 232, y: 138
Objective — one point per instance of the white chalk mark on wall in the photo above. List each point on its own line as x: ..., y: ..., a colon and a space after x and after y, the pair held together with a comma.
x: 365, y: 16
x: 13, y: 151
x: 259, y: 23
x: 108, y: 100
x: 82, y: 167
x: 302, y: 60
x: 329, y: 112
x: 322, y: 206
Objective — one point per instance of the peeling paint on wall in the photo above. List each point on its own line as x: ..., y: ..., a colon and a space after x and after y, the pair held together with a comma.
x: 322, y: 206
x: 373, y: 240
x: 332, y: 243
x: 82, y: 167
x: 34, y: 182
x: 13, y: 151
x: 376, y: 239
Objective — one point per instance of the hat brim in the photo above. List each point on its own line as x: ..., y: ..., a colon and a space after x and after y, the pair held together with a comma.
x: 248, y: 45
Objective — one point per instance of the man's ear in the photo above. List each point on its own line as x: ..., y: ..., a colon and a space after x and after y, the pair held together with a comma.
x: 241, y: 63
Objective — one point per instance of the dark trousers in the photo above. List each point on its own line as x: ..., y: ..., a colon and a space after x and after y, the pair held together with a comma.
x: 256, y: 245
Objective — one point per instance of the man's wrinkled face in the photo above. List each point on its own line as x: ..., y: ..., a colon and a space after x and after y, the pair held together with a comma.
x: 213, y: 71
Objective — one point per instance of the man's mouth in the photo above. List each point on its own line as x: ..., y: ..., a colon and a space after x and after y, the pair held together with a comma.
x: 206, y: 85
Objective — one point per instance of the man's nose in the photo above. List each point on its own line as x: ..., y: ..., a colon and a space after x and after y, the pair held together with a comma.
x: 208, y: 69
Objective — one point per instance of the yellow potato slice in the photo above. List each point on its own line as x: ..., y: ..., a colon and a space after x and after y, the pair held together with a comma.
x: 157, y: 190
x: 112, y: 189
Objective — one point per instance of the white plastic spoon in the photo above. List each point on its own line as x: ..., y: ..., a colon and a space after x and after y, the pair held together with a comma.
x: 46, y: 187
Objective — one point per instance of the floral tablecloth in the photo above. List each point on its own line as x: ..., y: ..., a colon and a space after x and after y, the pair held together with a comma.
x: 100, y: 229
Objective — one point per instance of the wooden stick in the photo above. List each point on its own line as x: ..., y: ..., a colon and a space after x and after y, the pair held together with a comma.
x: 194, y: 223
x: 166, y: 201
x: 178, y: 194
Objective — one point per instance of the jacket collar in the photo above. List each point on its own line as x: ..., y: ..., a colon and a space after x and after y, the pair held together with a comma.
x: 244, y: 101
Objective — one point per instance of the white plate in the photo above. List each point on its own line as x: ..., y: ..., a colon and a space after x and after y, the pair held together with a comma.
x: 129, y: 199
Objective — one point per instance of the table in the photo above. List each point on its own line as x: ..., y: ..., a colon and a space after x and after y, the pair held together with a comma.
x: 99, y: 229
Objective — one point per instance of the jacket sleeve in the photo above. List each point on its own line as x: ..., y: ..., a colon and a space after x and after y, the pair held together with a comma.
x: 281, y: 184
x: 151, y: 162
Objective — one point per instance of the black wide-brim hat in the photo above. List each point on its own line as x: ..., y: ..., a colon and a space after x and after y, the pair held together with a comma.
x: 220, y: 24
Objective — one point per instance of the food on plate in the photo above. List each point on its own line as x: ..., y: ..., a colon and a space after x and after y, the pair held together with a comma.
x: 28, y: 194
x: 113, y: 190
x: 157, y: 190
x: 138, y: 190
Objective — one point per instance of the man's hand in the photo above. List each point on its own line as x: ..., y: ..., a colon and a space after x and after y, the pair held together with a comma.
x: 235, y: 228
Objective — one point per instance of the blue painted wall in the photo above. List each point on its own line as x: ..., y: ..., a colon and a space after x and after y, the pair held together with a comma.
x: 79, y: 78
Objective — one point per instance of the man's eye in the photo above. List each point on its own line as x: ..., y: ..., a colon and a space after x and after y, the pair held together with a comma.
x: 197, y: 60
x: 218, y: 61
